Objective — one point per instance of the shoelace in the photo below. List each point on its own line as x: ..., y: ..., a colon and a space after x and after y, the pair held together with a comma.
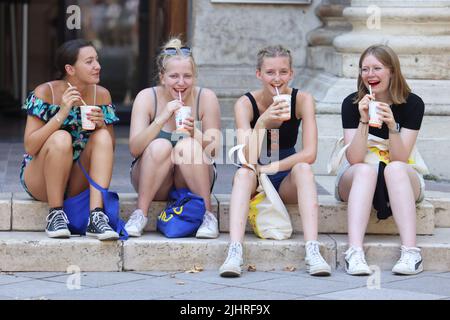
x: 136, y: 218
x: 59, y: 219
x: 101, y: 221
x: 232, y: 253
x: 208, y: 219
x: 358, y: 258
x: 407, y: 257
x: 314, y: 254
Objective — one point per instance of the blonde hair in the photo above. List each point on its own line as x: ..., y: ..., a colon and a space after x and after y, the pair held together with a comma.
x: 163, y: 58
x: 272, y: 52
x: 398, y: 88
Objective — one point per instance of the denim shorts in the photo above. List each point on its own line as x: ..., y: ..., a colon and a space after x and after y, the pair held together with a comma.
x: 345, y: 165
x: 278, y: 177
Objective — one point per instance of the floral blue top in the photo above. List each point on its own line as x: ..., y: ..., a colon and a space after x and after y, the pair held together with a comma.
x: 35, y: 106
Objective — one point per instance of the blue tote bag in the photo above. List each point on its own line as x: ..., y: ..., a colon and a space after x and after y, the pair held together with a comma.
x: 183, y: 214
x: 77, y: 209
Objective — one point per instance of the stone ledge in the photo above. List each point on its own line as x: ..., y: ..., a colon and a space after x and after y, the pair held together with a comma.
x: 154, y: 252
x: 384, y: 251
x: 441, y: 212
x: 333, y: 218
x: 30, y: 215
x: 5, y: 211
x: 34, y: 251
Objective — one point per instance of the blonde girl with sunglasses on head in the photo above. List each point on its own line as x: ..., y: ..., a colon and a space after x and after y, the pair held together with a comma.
x: 164, y: 158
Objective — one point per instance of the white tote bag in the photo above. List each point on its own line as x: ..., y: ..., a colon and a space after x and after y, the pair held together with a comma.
x: 377, y: 150
x: 267, y: 214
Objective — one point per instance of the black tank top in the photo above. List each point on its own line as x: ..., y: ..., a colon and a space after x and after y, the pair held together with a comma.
x: 288, y: 131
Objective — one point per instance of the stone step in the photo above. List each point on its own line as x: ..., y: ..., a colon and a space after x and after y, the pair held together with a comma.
x: 30, y: 215
x: 333, y: 218
x: 383, y: 251
x: 34, y: 251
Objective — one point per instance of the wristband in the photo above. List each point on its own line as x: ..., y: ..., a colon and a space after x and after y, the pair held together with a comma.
x: 364, y: 122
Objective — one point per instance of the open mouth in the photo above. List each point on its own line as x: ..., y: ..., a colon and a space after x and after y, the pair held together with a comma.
x: 374, y: 83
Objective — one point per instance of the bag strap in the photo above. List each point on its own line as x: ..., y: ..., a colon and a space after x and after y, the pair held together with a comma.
x: 240, y: 153
x: 92, y: 182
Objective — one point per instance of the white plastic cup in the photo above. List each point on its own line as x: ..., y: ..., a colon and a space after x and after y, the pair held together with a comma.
x: 180, y: 115
x: 287, y: 98
x: 374, y: 120
x: 87, y: 124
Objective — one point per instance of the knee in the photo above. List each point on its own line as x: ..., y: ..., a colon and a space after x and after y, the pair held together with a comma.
x: 302, y: 170
x: 101, y: 137
x: 158, y: 150
x: 244, y: 175
x: 60, y: 142
x: 394, y: 168
x: 365, y: 171
x: 189, y: 150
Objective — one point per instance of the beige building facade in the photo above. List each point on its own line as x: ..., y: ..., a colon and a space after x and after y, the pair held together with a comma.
x: 327, y: 38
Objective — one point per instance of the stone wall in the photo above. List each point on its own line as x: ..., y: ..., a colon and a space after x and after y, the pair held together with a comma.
x: 226, y: 38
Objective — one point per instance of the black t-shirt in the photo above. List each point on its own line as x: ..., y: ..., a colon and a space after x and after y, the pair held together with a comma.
x: 409, y: 115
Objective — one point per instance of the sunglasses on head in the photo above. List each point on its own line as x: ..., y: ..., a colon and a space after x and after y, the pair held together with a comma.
x: 172, y: 51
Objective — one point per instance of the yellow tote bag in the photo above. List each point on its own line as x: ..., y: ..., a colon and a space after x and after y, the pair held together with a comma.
x: 267, y: 214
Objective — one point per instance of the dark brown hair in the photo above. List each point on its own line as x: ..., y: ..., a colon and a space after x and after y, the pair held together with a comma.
x: 398, y: 88
x: 67, y: 53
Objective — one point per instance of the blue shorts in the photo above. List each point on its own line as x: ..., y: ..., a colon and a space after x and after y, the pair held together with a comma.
x: 278, y: 177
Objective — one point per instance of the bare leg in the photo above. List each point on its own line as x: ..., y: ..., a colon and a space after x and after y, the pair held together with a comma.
x: 357, y: 186
x: 97, y: 158
x: 192, y: 169
x: 47, y: 174
x: 403, y: 187
x: 244, y: 187
x: 152, y: 173
x: 299, y: 187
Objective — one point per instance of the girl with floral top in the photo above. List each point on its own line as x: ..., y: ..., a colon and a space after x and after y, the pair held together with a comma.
x: 54, y: 140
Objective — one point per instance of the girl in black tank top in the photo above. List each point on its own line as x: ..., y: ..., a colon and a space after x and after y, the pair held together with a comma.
x: 291, y: 173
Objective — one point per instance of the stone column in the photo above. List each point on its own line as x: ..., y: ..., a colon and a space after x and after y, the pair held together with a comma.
x: 419, y: 32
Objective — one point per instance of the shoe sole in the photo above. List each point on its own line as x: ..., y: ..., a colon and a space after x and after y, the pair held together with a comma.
x: 58, y: 234
x: 133, y: 234
x: 419, y: 270
x: 103, y: 237
x: 205, y: 236
x: 320, y: 273
x: 358, y: 273
x: 230, y: 274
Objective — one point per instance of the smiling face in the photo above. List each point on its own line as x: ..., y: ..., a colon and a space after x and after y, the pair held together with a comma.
x: 275, y: 72
x: 178, y: 77
x: 375, y: 74
x: 86, y: 68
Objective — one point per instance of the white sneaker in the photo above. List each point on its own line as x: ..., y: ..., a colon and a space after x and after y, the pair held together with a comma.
x: 315, y: 264
x: 355, y: 263
x: 136, y: 223
x: 232, y: 265
x: 209, y: 228
x: 410, y: 262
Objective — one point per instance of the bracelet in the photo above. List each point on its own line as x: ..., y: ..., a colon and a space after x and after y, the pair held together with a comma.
x: 364, y: 122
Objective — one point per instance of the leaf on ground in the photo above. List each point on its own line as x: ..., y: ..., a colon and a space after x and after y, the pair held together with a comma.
x: 180, y: 283
x: 196, y: 269
x: 251, y: 268
x: 290, y: 268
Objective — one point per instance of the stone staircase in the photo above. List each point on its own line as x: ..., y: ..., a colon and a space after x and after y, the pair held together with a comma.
x: 24, y: 245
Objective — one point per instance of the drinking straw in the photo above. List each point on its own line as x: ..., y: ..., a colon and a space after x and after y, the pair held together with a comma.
x: 80, y: 97
x: 278, y: 92
x: 370, y: 89
x: 179, y: 96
